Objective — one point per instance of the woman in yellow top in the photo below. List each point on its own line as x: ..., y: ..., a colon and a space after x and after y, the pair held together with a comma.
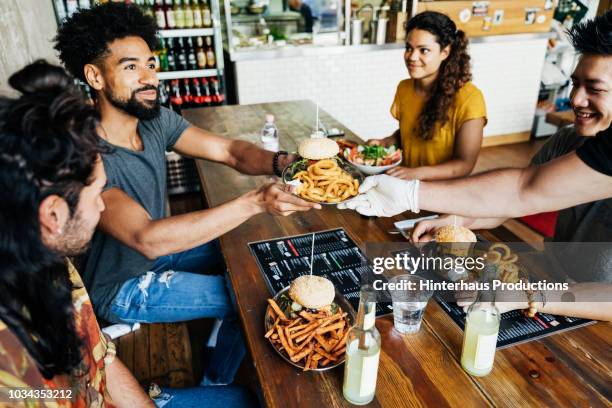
x: 441, y: 113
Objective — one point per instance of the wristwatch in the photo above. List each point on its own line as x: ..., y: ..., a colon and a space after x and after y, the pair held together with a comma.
x: 278, y: 171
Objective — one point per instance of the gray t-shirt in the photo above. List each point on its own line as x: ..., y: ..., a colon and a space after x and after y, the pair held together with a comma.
x: 590, y: 222
x: 142, y: 176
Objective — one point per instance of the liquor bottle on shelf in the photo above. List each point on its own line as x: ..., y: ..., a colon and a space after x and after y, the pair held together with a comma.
x: 170, y: 55
x: 179, y: 16
x: 156, y: 53
x: 176, y: 100
x: 61, y: 10
x: 198, y: 98
x: 147, y: 8
x: 210, y: 54
x: 187, y: 97
x: 197, y: 13
x: 180, y: 55
x: 71, y: 7
x: 192, y: 62
x: 162, y: 55
x: 160, y: 15
x: 164, y: 96
x: 206, y: 92
x: 217, y: 95
x: 188, y: 12
x: 169, y: 10
x: 206, y: 15
x: 200, y: 53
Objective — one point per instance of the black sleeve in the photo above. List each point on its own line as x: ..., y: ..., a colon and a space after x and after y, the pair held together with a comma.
x: 597, y: 153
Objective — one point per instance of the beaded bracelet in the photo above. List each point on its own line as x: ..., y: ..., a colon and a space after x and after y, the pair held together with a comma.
x: 532, y: 305
x: 111, y: 353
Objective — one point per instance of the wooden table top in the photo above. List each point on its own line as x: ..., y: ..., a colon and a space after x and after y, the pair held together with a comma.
x: 568, y: 369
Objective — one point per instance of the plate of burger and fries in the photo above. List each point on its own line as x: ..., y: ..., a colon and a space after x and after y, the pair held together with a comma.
x: 321, y: 176
x: 307, y: 324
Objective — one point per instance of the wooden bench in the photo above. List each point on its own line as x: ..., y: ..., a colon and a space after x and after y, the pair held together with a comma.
x: 159, y: 353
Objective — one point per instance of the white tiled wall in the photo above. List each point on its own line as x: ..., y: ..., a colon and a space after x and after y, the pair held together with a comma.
x: 358, y: 88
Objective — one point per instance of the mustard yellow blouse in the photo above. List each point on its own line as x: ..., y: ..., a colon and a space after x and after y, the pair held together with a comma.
x: 407, y: 106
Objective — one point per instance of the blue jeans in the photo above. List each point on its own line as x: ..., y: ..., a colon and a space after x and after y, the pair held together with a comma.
x: 210, y: 397
x: 174, y: 290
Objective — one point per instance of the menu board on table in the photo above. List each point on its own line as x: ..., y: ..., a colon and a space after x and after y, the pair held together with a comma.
x: 516, y: 328
x: 336, y: 257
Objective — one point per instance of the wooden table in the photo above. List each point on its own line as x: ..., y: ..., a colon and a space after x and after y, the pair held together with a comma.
x: 570, y: 369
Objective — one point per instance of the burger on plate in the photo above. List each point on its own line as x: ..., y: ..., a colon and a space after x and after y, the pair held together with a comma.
x: 318, y: 148
x: 455, y: 240
x: 311, y: 292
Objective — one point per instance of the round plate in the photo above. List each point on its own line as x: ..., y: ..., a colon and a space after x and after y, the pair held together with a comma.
x: 370, y: 170
x: 302, y: 165
x: 338, y: 300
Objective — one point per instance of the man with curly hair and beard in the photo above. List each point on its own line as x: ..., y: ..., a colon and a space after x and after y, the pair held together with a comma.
x: 52, y: 177
x: 143, y: 266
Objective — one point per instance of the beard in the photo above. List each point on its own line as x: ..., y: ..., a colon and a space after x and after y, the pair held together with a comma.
x: 75, y: 238
x: 134, y: 107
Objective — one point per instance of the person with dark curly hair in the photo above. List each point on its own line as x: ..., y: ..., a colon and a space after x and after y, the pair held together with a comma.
x: 575, y: 177
x: 52, y: 178
x: 144, y: 266
x: 441, y: 113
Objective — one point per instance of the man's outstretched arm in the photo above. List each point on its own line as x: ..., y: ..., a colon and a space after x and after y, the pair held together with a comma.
x: 561, y: 183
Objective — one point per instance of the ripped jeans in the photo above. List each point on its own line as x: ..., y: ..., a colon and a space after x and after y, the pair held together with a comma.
x: 174, y: 290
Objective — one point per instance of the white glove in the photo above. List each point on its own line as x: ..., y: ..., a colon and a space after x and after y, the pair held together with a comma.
x: 385, y: 196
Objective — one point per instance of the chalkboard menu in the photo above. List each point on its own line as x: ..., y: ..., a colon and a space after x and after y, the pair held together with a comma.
x: 336, y: 257
x: 516, y: 328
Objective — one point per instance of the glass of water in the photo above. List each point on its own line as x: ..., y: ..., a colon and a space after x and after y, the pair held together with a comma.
x: 409, y: 301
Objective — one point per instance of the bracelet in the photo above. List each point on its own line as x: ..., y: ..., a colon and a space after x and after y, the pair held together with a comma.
x: 111, y: 352
x: 277, y: 171
x: 532, y: 305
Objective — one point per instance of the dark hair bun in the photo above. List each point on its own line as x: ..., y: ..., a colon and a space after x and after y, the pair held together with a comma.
x: 41, y: 77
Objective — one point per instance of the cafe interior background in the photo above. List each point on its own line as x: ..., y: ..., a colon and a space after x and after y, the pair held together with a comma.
x: 259, y: 51
x: 348, y: 62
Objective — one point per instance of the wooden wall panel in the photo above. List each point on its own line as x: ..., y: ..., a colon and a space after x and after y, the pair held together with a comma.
x: 26, y: 29
x: 513, y: 21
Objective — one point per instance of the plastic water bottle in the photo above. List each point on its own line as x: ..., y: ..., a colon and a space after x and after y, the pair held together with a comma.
x: 269, y: 134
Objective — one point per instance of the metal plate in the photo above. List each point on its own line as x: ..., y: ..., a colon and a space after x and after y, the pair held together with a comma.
x: 338, y: 300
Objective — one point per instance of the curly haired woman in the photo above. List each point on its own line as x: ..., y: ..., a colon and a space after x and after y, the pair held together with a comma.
x: 441, y: 113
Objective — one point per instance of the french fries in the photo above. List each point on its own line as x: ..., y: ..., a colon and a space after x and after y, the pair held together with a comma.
x: 325, y: 181
x: 312, y: 339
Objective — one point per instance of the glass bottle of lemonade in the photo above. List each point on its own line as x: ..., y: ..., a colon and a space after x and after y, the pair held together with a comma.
x: 362, y: 352
x: 480, y: 335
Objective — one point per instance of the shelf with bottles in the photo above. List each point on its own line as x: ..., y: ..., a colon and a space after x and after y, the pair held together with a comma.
x: 185, y: 57
x: 179, y: 94
x: 65, y: 8
x: 187, y: 32
x: 187, y: 74
x: 179, y: 14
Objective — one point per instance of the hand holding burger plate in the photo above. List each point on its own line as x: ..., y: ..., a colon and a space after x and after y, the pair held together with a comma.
x: 321, y: 176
